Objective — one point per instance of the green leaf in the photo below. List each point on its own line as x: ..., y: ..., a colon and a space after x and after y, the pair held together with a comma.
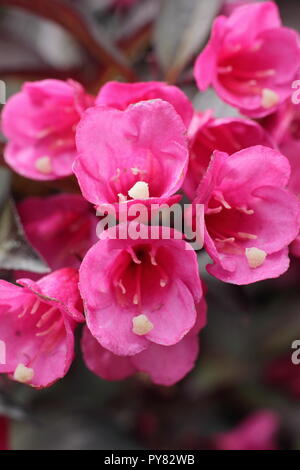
x: 181, y: 30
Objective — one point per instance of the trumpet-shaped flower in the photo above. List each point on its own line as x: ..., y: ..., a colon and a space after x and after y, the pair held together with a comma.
x: 250, y: 59
x: 139, y: 292
x: 40, y: 123
x: 37, y: 324
x: 250, y: 216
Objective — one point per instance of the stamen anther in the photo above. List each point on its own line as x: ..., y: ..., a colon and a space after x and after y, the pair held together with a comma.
x: 141, y: 325
x: 44, y: 165
x: 23, y: 374
x: 140, y: 190
x: 255, y: 257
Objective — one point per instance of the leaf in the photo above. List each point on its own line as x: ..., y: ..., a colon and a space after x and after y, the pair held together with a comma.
x: 15, y: 251
x: 210, y: 100
x: 82, y: 26
x: 181, y: 30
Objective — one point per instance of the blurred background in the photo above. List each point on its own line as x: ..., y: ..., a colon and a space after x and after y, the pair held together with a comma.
x: 244, y: 390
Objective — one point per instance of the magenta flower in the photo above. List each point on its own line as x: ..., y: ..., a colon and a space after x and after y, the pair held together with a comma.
x: 250, y: 217
x: 61, y: 228
x: 165, y: 365
x: 257, y: 432
x: 250, y: 59
x: 139, y: 292
x: 229, y: 135
x: 284, y: 126
x: 37, y: 324
x: 120, y: 95
x: 40, y: 123
x: 134, y: 156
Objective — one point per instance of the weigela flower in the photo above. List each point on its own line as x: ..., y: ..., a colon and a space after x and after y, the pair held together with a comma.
x: 250, y: 216
x: 139, y: 292
x: 139, y: 155
x: 229, y: 135
x: 120, y: 95
x: 37, y: 324
x: 257, y: 432
x: 40, y: 123
x: 165, y: 365
x: 250, y: 59
x: 61, y: 228
x: 284, y: 126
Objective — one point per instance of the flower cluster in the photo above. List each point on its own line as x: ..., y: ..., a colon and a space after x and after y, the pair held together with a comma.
x: 140, y: 297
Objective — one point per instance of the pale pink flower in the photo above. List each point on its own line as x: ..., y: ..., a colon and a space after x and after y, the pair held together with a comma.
x: 250, y: 59
x: 37, y: 324
x: 40, y: 123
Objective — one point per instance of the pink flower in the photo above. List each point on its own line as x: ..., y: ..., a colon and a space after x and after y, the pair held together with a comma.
x: 121, y: 95
x: 37, y: 324
x: 257, y: 432
x: 139, y: 292
x: 284, y: 126
x: 250, y: 217
x: 165, y: 365
x: 4, y: 431
x: 134, y: 156
x: 61, y: 228
x: 229, y: 135
x: 40, y: 123
x: 250, y: 59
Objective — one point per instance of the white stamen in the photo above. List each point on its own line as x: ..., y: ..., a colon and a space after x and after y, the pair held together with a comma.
x: 255, y: 257
x: 265, y: 73
x: 23, y: 312
x: 225, y: 240
x: 122, y: 287
x: 23, y: 374
x: 122, y: 198
x: 163, y: 283
x: 45, y: 317
x: 248, y: 236
x: 135, y: 171
x: 35, y: 306
x: 224, y: 70
x: 135, y: 299
x: 269, y: 98
x: 141, y: 325
x: 245, y: 210
x: 140, y: 190
x: 44, y: 165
